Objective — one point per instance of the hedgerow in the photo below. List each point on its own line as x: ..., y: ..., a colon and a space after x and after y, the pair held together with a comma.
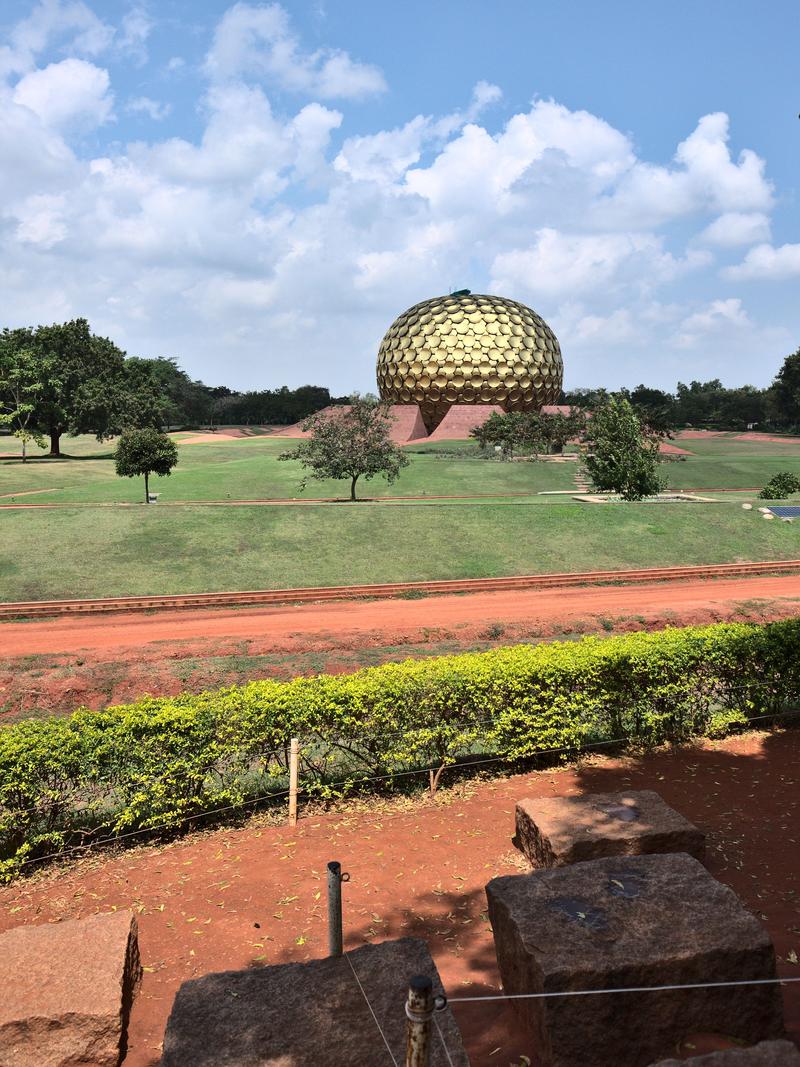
x: 158, y: 762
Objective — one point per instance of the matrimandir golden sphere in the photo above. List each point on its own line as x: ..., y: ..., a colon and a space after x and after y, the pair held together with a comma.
x: 466, y: 348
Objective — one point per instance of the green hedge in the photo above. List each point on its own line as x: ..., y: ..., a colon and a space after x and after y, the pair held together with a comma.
x: 155, y: 763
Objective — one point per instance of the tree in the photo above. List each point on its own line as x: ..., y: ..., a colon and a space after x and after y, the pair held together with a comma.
x: 80, y: 377
x: 655, y: 408
x: 534, y: 431
x: 350, y: 443
x: 20, y: 387
x: 145, y: 452
x: 780, y: 485
x: 785, y: 392
x: 622, y: 454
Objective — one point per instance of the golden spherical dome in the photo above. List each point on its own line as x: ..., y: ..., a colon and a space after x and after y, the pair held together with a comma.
x: 469, y: 349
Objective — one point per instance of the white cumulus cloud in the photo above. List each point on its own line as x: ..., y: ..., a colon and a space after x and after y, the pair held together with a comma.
x: 68, y: 23
x: 72, y: 92
x: 256, y: 40
x: 145, y: 105
x: 719, y: 315
x: 767, y: 263
x: 736, y: 228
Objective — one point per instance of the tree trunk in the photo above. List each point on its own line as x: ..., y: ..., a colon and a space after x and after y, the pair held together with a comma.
x: 24, y: 450
x: 353, y: 488
x: 146, y: 490
x: 55, y: 443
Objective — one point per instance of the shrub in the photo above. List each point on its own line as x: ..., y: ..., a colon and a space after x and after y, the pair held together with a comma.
x: 158, y: 762
x: 780, y: 485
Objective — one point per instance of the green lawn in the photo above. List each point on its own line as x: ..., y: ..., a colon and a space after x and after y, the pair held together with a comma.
x: 108, y: 551
x: 249, y: 469
x: 727, y: 463
x: 96, y: 551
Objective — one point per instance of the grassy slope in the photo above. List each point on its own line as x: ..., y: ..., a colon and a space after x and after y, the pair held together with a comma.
x: 102, y: 552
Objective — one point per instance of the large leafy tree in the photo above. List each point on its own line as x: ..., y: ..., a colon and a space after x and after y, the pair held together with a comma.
x: 140, y: 453
x: 84, y: 394
x: 83, y: 382
x: 350, y: 443
x: 785, y: 392
x: 622, y: 452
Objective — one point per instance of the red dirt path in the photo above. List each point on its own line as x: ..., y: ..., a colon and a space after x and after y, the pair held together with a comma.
x: 256, y: 895
x: 398, y: 617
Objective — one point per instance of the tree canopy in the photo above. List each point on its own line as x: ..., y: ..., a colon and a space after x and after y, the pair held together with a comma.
x: 350, y: 443
x: 532, y: 431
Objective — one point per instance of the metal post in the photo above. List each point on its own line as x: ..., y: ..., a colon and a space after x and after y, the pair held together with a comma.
x: 419, y: 1012
x: 294, y: 759
x: 334, y: 908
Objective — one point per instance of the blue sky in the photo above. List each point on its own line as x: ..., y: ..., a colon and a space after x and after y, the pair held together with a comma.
x: 259, y: 189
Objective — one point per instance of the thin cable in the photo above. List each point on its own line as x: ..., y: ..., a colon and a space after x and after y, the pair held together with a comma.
x: 372, y: 1013
x: 629, y: 989
x: 424, y: 770
x: 444, y: 1043
x: 153, y: 829
x: 352, y: 783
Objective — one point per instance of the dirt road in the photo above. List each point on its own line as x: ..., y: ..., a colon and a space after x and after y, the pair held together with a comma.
x: 678, y: 601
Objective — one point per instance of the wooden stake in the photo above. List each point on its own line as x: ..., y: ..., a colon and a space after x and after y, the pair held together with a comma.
x: 294, y: 761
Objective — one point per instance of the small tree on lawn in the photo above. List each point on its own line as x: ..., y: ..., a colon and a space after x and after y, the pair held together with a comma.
x: 350, y: 443
x: 140, y: 453
x: 20, y: 388
x: 622, y: 454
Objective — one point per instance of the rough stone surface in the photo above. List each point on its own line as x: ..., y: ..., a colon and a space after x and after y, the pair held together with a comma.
x: 67, y: 990
x: 555, y: 831
x: 765, y: 1054
x: 306, y: 1014
x: 622, y: 922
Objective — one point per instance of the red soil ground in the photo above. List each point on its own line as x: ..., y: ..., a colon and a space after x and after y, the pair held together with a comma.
x: 95, y: 660
x: 255, y: 895
x: 664, y: 600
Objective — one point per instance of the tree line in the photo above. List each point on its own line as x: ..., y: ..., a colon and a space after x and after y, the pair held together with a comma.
x: 64, y: 379
x: 710, y: 405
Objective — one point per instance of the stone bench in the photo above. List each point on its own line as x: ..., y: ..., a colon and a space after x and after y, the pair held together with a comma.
x: 307, y: 1014
x: 622, y: 922
x: 765, y: 1054
x: 555, y: 831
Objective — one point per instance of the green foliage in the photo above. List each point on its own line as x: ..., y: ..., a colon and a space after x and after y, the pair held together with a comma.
x: 785, y: 392
x: 350, y: 443
x: 531, y: 431
x: 159, y: 762
x: 780, y: 485
x: 622, y: 454
x: 140, y: 453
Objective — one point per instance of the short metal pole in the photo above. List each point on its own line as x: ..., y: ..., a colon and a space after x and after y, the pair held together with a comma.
x: 294, y: 760
x: 334, y: 908
x: 419, y: 1012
